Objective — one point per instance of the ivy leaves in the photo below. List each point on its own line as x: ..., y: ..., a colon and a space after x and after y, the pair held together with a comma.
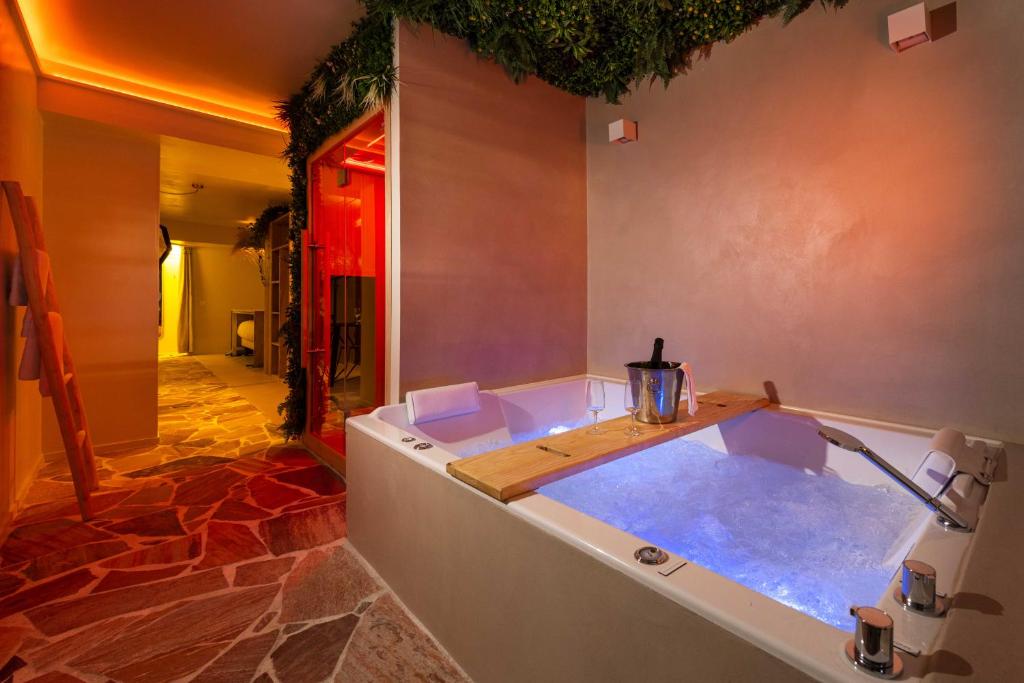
x: 594, y: 47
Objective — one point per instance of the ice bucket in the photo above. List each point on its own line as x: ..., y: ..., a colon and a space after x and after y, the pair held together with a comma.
x: 656, y: 392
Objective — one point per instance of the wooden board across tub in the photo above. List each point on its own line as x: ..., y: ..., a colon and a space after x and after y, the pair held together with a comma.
x: 509, y: 472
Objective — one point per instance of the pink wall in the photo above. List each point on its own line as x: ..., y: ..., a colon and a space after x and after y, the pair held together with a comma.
x: 810, y: 208
x: 493, y: 221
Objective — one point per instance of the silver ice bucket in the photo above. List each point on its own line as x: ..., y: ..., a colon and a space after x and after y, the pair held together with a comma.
x: 656, y: 392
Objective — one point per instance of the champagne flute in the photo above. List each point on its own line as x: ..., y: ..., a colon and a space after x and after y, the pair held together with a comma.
x: 629, y: 402
x: 595, y: 401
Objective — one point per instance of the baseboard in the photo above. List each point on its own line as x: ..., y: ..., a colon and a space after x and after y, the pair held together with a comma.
x: 326, y: 455
x: 107, y: 448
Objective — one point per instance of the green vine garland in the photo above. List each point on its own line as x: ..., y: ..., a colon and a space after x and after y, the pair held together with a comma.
x: 592, y: 48
x: 251, y: 239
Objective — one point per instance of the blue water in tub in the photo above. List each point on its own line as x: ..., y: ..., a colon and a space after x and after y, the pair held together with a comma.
x: 785, y: 533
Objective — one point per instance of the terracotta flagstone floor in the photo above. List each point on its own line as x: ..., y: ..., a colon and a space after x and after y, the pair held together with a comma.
x: 217, y: 556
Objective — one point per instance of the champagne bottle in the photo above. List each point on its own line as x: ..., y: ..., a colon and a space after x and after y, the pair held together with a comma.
x: 656, y: 362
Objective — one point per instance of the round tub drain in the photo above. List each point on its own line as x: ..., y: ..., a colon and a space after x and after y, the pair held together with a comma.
x: 649, y: 554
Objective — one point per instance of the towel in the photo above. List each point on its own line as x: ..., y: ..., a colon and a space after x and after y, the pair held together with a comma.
x: 427, y: 405
x: 31, y: 365
x: 691, y: 390
x: 19, y: 295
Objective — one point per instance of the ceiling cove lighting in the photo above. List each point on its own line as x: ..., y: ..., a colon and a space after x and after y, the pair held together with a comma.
x: 363, y: 164
x: 132, y: 85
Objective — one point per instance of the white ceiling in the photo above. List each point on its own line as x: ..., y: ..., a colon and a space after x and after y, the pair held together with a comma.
x: 238, y: 185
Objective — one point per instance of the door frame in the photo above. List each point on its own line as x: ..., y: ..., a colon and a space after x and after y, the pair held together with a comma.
x: 391, y: 266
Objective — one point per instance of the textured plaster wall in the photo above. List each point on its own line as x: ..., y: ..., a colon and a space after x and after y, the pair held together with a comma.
x: 493, y: 221
x: 21, y: 159
x: 102, y: 211
x: 811, y: 208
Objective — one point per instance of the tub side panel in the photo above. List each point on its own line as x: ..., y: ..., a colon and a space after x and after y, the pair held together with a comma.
x: 513, y: 603
x: 982, y: 638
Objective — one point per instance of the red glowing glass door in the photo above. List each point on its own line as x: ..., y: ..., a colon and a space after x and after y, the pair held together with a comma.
x: 344, y: 297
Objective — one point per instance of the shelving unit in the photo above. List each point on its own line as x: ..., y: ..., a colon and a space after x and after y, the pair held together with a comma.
x: 277, y: 295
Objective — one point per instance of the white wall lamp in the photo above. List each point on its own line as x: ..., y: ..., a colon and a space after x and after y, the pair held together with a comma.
x: 910, y: 27
x: 622, y: 131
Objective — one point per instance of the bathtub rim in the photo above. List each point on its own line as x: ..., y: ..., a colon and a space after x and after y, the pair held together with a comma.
x: 806, y: 643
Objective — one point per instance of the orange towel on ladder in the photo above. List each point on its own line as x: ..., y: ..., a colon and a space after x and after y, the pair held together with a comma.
x: 19, y: 295
x: 30, y: 368
x: 31, y: 365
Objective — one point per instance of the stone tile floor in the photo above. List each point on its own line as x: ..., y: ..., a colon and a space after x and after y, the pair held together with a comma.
x: 218, y: 555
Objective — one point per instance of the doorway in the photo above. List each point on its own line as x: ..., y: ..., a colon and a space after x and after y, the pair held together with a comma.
x: 345, y: 295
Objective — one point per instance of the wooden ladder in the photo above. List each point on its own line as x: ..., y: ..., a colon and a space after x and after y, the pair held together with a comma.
x: 64, y: 387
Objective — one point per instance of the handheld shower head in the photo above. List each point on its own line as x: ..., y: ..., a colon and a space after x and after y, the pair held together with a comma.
x: 837, y: 437
x: 947, y: 517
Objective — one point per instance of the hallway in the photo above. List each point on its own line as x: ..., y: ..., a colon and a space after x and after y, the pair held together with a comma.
x: 217, y: 555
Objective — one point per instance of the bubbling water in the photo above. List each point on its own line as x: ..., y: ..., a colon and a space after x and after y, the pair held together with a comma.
x: 797, y: 537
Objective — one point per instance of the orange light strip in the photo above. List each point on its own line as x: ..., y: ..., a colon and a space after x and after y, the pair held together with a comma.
x: 132, y: 87
x: 228, y: 113
x: 363, y: 164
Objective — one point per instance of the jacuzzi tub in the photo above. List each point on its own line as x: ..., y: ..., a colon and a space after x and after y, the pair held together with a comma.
x: 538, y: 590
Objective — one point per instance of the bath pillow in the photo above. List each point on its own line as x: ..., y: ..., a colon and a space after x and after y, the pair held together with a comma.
x: 427, y: 405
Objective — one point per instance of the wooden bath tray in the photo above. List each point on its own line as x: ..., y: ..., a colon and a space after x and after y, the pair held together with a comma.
x: 509, y: 472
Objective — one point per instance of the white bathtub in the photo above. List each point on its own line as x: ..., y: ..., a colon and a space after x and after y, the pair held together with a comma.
x: 535, y: 590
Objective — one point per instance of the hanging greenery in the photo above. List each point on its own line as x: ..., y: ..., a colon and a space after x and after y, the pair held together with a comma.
x: 251, y: 240
x: 592, y: 48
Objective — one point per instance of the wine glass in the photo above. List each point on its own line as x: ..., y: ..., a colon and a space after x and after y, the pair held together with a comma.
x: 629, y: 402
x: 595, y: 401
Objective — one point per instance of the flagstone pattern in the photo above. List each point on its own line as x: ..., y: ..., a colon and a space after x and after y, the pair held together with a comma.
x: 218, y: 555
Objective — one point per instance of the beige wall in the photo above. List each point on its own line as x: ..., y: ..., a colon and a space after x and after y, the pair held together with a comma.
x: 185, y: 231
x: 102, y: 212
x: 493, y: 223
x: 21, y: 159
x: 810, y: 208
x: 221, y: 281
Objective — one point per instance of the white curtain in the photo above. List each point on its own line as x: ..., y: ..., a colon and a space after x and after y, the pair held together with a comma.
x: 185, y: 336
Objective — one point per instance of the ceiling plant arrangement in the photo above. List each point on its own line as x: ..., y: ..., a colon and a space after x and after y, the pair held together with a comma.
x: 591, y: 48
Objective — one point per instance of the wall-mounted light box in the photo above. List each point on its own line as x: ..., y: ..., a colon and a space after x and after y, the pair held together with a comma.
x: 910, y: 27
x: 622, y: 131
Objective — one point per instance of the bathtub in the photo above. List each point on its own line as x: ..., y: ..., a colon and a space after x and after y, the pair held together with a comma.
x: 536, y: 590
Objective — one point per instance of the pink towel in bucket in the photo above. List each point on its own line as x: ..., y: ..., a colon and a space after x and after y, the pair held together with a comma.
x: 691, y: 390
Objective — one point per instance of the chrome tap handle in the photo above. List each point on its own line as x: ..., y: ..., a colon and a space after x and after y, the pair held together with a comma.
x: 873, y: 640
x: 917, y: 590
x: 918, y: 586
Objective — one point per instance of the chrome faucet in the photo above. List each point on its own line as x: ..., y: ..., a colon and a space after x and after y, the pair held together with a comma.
x: 872, y: 648
x: 947, y: 517
x: 916, y: 591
